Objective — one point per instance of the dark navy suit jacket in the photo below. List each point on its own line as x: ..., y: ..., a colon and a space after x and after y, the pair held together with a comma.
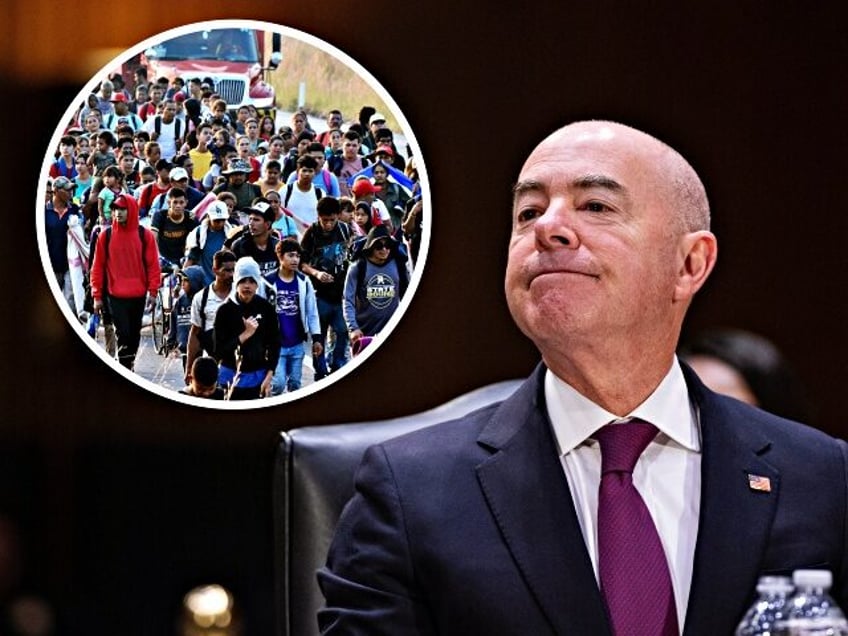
x: 468, y: 527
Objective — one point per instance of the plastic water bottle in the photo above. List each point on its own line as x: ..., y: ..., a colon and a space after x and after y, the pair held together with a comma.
x: 811, y: 611
x: 93, y: 324
x: 762, y: 617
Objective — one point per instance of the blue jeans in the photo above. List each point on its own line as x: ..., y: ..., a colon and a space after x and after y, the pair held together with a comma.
x: 289, y: 370
x: 331, y: 315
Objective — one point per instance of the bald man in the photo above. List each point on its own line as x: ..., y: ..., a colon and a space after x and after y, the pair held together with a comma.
x: 500, y: 522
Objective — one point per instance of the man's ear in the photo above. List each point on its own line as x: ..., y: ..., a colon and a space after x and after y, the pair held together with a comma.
x: 698, y: 253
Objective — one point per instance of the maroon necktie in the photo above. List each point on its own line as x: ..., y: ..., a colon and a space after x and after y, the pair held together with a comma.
x: 635, y: 580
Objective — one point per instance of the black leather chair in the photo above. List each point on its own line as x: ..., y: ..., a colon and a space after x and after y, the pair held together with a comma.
x: 313, y: 479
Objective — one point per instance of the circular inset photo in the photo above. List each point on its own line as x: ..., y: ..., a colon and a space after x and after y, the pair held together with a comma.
x: 233, y: 214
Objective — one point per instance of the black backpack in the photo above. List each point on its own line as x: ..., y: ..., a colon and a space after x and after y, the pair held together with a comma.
x: 157, y: 126
x: 290, y: 187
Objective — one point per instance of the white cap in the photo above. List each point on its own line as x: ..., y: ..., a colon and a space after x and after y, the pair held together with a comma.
x: 218, y: 211
x: 774, y: 584
x: 177, y: 174
x: 812, y: 578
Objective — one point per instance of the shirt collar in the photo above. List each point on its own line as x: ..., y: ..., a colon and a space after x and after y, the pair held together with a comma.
x: 575, y: 417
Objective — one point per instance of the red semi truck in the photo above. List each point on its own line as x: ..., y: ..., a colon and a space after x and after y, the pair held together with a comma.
x: 236, y: 61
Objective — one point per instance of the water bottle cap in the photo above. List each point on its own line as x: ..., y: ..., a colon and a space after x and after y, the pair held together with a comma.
x: 813, y: 578
x: 772, y: 584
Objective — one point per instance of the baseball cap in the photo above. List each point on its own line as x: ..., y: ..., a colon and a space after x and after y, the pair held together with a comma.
x: 120, y: 201
x: 264, y: 210
x: 238, y: 165
x: 376, y: 117
x: 218, y: 211
x: 63, y: 183
x: 118, y: 97
x: 178, y: 174
x: 363, y: 186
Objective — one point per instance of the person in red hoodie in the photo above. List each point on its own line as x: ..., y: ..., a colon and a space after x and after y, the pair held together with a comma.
x: 125, y: 274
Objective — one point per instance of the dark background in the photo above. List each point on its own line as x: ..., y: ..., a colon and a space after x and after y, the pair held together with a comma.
x: 126, y: 500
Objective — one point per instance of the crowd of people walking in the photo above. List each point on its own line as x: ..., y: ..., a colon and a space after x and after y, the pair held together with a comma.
x: 265, y: 244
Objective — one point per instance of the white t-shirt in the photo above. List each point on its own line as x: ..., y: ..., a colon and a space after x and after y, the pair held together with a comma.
x: 212, y: 304
x: 167, y: 139
x: 302, y: 204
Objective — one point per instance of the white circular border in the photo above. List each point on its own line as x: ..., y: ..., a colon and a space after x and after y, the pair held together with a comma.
x: 318, y: 385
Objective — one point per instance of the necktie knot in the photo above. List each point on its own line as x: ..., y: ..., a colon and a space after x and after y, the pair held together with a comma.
x: 622, y: 444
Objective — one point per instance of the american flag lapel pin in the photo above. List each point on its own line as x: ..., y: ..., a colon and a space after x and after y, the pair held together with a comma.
x: 758, y: 482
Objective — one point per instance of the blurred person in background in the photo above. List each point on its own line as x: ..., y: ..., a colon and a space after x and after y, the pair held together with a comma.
x: 750, y: 368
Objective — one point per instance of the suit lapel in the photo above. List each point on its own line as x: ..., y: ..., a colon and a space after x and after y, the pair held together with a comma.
x: 735, y: 517
x: 527, y: 492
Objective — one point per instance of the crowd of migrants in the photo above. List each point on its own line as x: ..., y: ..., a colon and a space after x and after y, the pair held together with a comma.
x: 279, y: 240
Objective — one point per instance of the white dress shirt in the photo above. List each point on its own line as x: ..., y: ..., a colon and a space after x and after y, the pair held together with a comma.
x: 667, y: 475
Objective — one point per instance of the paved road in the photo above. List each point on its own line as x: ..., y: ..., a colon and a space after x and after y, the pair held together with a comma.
x: 167, y: 372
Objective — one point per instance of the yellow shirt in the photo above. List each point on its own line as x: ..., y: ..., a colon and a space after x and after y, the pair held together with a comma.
x: 202, y: 161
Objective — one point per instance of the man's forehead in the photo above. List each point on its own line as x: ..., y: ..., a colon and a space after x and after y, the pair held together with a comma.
x: 592, y: 155
x: 603, y: 138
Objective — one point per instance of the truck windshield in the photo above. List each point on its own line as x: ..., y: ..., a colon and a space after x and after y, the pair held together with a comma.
x: 233, y: 45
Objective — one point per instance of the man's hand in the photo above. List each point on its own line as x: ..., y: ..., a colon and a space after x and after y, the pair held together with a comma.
x: 323, y: 277
x: 98, y: 305
x: 265, y: 388
x: 355, y: 336
x: 317, y: 349
x: 150, y: 303
x: 250, y: 326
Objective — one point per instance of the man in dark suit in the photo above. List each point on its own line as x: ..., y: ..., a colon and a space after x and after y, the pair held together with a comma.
x: 499, y: 523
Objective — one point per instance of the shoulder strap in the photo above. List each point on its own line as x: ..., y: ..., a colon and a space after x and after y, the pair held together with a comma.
x: 328, y: 180
x: 177, y: 131
x: 142, y: 236
x: 203, y: 298
x: 318, y: 193
x: 289, y: 188
x: 106, y: 247
x: 403, y: 274
x: 157, y: 124
x: 361, y: 266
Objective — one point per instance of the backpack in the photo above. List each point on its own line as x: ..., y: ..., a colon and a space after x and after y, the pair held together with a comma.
x: 142, y: 235
x: 398, y: 255
x: 290, y: 189
x: 157, y: 126
x: 64, y: 171
x: 88, y: 301
x: 329, y: 258
x: 205, y: 337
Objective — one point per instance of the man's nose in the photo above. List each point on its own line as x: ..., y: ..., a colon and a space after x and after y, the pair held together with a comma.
x: 555, y: 228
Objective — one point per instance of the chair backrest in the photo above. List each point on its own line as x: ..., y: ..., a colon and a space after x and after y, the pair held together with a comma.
x: 313, y: 480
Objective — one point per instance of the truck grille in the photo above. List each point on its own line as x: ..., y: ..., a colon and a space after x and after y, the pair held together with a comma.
x: 231, y: 91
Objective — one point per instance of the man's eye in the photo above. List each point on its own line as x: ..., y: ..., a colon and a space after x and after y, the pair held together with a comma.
x: 527, y: 214
x: 595, y: 206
